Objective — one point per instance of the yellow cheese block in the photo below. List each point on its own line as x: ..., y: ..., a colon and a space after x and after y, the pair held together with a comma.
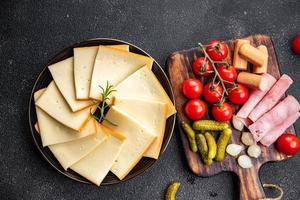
x: 96, y: 165
x: 150, y: 114
x: 54, y: 132
x: 113, y: 66
x: 143, y: 84
x: 54, y: 104
x: 138, y: 140
x: 84, y: 58
x: 63, y: 75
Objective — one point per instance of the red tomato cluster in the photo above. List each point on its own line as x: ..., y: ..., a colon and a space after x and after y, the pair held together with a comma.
x: 192, y: 88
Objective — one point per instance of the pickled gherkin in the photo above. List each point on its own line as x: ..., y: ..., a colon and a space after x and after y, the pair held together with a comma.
x: 171, y: 191
x: 212, y: 146
x: 222, y: 144
x: 190, y: 134
x: 203, y: 148
x: 209, y: 125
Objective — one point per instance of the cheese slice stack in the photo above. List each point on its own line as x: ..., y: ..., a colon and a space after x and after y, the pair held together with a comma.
x: 138, y: 140
x: 112, y: 66
x: 96, y: 165
x: 151, y: 114
x: 54, y: 104
x: 55, y: 132
x: 63, y: 75
x: 143, y: 84
x: 84, y: 58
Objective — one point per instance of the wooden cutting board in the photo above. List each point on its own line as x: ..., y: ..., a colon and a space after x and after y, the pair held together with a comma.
x: 179, y: 68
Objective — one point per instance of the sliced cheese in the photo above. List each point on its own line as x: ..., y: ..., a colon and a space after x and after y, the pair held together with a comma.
x: 69, y: 153
x: 54, y: 104
x: 63, y: 75
x: 138, y: 140
x: 54, y: 132
x: 84, y: 58
x: 112, y: 66
x: 151, y: 114
x: 96, y: 165
x: 143, y: 84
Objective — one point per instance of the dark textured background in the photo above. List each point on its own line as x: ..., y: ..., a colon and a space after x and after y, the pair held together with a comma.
x: 31, y: 32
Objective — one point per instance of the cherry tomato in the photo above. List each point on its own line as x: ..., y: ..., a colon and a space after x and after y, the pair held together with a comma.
x: 227, y: 73
x: 201, y: 66
x: 195, y: 109
x: 222, y: 112
x: 288, y: 144
x: 217, y: 50
x: 212, y: 92
x: 296, y: 44
x: 239, y: 94
x: 192, y: 88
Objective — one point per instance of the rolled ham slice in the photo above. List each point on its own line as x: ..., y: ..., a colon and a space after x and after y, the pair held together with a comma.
x: 287, y: 107
x: 271, y: 98
x: 256, y: 96
x: 277, y: 131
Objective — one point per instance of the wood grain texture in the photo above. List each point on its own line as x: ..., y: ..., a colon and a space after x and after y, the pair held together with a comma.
x: 179, y: 68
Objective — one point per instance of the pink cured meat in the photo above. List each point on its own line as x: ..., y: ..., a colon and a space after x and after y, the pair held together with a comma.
x: 247, y: 122
x: 256, y: 96
x: 271, y: 98
x: 277, y: 131
x: 274, y: 117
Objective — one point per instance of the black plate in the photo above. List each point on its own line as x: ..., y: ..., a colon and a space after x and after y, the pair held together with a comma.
x: 45, y: 78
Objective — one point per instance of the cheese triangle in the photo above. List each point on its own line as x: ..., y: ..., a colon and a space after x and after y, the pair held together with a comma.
x: 63, y: 75
x: 138, y: 140
x: 112, y: 66
x: 150, y: 114
x: 84, y: 58
x: 69, y: 153
x: 96, y: 165
x: 54, y: 132
x: 54, y: 104
x: 143, y: 84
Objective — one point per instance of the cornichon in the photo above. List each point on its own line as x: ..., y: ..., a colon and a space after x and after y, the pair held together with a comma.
x: 190, y: 134
x: 171, y: 191
x: 222, y: 143
x: 209, y: 125
x: 203, y: 148
x: 212, y: 146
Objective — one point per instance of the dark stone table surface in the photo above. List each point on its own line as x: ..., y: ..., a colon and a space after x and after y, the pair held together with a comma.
x: 31, y: 32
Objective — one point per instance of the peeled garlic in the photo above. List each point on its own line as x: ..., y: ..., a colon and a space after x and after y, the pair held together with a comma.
x: 254, y: 151
x: 234, y: 149
x: 247, y: 139
x: 245, y: 161
x: 237, y: 124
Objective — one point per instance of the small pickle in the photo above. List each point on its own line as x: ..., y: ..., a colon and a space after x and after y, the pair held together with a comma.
x: 222, y: 144
x: 171, y: 191
x: 203, y: 149
x: 212, y: 146
x: 190, y: 134
x: 209, y: 125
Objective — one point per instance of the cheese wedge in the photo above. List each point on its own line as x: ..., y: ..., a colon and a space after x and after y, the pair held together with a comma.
x: 143, y: 84
x: 69, y: 153
x: 151, y: 114
x: 63, y: 75
x: 54, y: 132
x: 96, y: 165
x: 84, y: 58
x: 138, y: 140
x: 112, y: 66
x: 54, y: 104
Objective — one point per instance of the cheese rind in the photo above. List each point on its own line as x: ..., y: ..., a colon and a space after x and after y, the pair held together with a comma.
x: 112, y: 66
x: 54, y: 104
x: 138, y: 140
x: 96, y: 165
x: 84, y: 58
x: 151, y: 114
x: 144, y: 85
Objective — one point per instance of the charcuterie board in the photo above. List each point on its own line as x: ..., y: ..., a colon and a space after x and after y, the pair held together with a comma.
x: 179, y: 68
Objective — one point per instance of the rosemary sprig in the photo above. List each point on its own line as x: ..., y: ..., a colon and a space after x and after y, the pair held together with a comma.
x: 103, y: 106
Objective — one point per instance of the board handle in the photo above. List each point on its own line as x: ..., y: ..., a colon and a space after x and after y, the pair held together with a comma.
x: 250, y: 185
